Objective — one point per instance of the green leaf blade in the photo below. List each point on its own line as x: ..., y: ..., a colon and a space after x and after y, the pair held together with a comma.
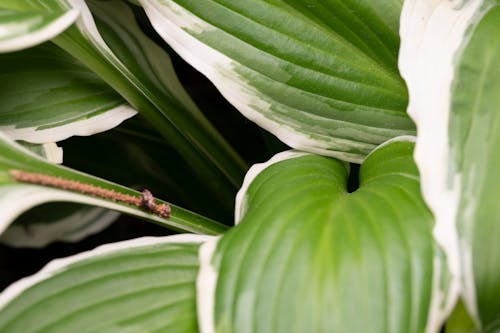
x: 56, y: 222
x: 313, y: 89
x: 142, y: 285
x: 185, y: 127
x: 21, y: 30
x: 48, y: 96
x: 474, y: 134
x: 309, y: 256
x: 18, y: 197
x: 449, y: 59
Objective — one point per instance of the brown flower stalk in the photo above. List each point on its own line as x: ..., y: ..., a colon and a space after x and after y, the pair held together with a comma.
x: 145, y: 201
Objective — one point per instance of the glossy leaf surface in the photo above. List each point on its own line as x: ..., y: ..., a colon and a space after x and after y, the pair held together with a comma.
x: 449, y: 58
x: 48, y: 96
x: 18, y: 197
x: 308, y: 256
x: 320, y: 75
x: 120, y: 53
x: 143, y: 285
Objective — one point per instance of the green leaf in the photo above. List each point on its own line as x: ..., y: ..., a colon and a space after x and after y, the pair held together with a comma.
x: 52, y: 222
x: 131, y: 67
x: 143, y: 285
x: 474, y: 137
x: 310, y: 257
x: 449, y: 58
x: 20, y: 30
x: 48, y: 96
x: 17, y: 197
x: 55, y: 222
x: 320, y: 75
x: 49, y: 151
x: 149, y: 165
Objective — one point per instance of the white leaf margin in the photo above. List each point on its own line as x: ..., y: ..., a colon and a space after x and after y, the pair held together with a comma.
x: 53, y: 153
x: 74, y: 227
x: 60, y: 265
x: 241, y: 197
x: 240, y: 206
x: 49, y: 151
x: 206, y: 283
x: 208, y: 275
x: 172, y: 22
x: 432, y: 33
x: 17, y: 198
x: 96, y: 124
x: 44, y: 34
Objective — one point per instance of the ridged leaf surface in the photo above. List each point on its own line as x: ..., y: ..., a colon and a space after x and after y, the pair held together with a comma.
x: 321, y: 75
x: 17, y: 197
x: 308, y: 256
x: 144, y: 285
x: 47, y: 95
x: 450, y: 59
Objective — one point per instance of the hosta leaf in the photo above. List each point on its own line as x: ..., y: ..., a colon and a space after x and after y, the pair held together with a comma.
x: 450, y: 60
x: 149, y: 165
x: 310, y: 257
x: 474, y: 135
x: 20, y: 30
x: 143, y: 285
x: 130, y: 62
x: 53, y: 222
x: 18, y: 197
x: 49, y: 151
x: 47, y: 96
x: 320, y: 75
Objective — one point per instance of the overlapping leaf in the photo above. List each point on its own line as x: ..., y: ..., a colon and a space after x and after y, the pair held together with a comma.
x: 144, y: 285
x: 450, y: 58
x: 49, y: 151
x: 132, y: 68
x: 320, y: 75
x: 310, y: 257
x: 150, y: 164
x: 53, y: 222
x: 132, y: 144
x: 47, y: 96
x: 474, y: 135
x: 20, y: 30
x: 17, y: 197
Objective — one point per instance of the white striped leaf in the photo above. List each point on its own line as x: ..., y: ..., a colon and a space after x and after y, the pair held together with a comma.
x: 57, y: 222
x: 132, y: 144
x: 49, y: 151
x: 308, y: 256
x: 47, y: 96
x: 52, y: 222
x: 143, y: 285
x: 20, y: 30
x: 131, y: 63
x: 450, y: 59
x: 17, y: 197
x: 320, y: 75
x: 149, y: 165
